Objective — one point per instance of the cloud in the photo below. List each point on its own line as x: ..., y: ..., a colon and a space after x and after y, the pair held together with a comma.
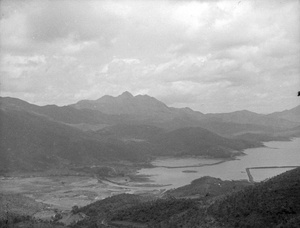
x: 79, y: 20
x: 211, y: 55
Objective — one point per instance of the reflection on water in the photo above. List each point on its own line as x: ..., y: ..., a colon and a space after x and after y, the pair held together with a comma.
x: 274, y: 154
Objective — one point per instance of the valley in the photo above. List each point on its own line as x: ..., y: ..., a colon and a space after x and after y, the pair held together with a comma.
x: 60, y: 190
x: 61, y: 158
x: 149, y: 114
x: 63, y: 189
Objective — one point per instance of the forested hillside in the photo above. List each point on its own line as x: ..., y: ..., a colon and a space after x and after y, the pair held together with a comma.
x: 125, y: 128
x: 274, y: 203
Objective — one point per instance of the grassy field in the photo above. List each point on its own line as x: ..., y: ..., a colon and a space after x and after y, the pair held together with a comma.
x: 64, y: 190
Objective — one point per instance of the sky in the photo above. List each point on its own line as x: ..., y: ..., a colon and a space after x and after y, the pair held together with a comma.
x: 209, y: 55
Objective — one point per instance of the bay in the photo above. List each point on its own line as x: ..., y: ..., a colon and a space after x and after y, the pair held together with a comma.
x: 276, y: 153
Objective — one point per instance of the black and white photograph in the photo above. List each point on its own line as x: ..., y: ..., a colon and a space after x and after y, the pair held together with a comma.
x: 149, y: 113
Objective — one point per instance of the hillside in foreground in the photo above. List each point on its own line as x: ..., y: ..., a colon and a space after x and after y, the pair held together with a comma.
x: 273, y: 203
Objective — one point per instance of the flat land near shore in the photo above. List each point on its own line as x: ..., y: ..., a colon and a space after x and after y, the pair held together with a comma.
x: 64, y: 191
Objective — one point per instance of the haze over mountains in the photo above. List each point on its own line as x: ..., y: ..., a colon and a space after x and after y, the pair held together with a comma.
x: 127, y: 127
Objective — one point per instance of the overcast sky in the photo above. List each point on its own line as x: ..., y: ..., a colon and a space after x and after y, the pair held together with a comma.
x: 212, y: 56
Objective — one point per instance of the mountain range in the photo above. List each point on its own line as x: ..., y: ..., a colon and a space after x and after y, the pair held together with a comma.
x: 133, y: 128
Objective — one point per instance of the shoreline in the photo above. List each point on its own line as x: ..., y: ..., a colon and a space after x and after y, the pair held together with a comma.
x: 250, y: 177
x: 193, y: 166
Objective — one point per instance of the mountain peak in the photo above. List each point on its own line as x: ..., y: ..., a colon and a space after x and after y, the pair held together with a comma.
x: 126, y: 94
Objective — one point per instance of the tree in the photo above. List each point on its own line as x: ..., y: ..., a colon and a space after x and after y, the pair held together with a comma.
x: 75, y: 209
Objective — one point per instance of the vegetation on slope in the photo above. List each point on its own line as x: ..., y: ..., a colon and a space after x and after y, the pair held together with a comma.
x: 127, y: 131
x: 154, y: 212
x: 30, y: 142
x: 267, y: 204
x: 208, y: 187
x: 274, y: 203
x: 42, y: 137
x: 199, y: 141
x: 17, y: 210
x: 18, y: 204
x: 101, y: 211
x: 34, y: 142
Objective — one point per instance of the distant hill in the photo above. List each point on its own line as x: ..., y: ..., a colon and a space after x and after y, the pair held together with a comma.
x: 263, y: 137
x: 126, y: 127
x: 247, y: 117
x: 145, y: 110
x: 291, y: 115
x: 64, y: 114
x: 156, y: 141
x: 126, y: 103
x: 29, y: 142
x: 131, y: 132
x: 148, y: 108
x: 199, y: 141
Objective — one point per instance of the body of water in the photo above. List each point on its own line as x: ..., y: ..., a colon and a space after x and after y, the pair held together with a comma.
x: 274, y: 154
